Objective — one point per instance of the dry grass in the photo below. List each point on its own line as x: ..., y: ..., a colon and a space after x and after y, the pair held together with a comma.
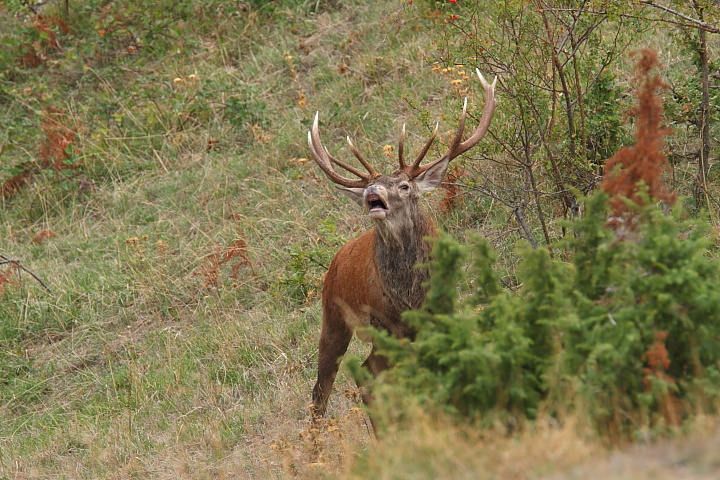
x: 434, y: 448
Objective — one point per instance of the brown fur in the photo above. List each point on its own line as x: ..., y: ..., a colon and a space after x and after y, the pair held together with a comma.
x: 370, y: 282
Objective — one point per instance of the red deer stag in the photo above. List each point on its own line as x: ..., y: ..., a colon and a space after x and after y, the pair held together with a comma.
x: 373, y: 278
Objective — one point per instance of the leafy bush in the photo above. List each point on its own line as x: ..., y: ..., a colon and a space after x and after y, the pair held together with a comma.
x: 563, y: 112
x: 626, y: 333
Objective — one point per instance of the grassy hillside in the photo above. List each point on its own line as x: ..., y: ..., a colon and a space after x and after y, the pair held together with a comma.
x: 155, y: 177
x: 185, y: 253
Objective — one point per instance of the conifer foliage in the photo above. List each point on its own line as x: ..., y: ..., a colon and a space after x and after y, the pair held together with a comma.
x: 625, y: 335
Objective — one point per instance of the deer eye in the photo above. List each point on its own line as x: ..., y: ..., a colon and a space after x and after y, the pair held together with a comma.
x: 404, y: 186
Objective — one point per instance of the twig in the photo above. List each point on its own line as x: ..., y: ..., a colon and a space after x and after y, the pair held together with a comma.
x: 17, y: 264
x: 698, y: 23
x: 692, y: 22
x: 519, y: 213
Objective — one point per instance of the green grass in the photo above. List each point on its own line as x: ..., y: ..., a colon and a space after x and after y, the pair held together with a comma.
x: 136, y: 365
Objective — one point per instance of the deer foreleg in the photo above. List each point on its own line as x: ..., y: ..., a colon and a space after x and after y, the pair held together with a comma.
x: 334, y: 340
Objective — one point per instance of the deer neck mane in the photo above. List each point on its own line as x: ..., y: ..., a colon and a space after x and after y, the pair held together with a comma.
x: 399, y: 248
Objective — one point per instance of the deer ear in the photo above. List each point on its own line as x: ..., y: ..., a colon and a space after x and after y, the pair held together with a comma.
x: 431, y: 178
x: 357, y: 194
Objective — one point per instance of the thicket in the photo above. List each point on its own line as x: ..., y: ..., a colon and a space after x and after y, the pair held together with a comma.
x: 560, y: 66
x: 620, y: 327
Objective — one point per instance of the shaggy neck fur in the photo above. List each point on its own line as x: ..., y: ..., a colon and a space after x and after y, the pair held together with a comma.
x: 400, y: 246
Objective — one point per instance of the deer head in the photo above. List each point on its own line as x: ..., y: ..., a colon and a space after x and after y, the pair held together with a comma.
x: 390, y: 197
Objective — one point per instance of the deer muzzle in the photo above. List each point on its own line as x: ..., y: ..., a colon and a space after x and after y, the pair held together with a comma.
x: 376, y: 202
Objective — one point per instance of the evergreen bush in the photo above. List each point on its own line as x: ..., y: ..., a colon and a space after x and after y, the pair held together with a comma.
x: 625, y: 334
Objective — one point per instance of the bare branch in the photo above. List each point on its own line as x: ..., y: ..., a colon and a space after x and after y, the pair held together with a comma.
x: 698, y: 23
x: 6, y: 260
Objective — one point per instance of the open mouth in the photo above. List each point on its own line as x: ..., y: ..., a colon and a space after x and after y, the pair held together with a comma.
x: 375, y: 203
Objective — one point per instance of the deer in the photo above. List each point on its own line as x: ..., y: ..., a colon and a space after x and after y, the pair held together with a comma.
x: 374, y: 278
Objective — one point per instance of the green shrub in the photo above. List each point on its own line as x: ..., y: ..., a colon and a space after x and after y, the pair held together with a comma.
x: 625, y: 335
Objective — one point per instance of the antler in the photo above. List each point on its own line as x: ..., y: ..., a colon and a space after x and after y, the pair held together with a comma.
x: 323, y: 158
x: 457, y: 147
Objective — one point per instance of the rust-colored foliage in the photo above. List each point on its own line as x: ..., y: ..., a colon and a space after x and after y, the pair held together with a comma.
x: 13, y: 184
x: 237, y: 250
x: 52, y: 152
x: 642, y: 162
x: 451, y: 191
x: 658, y: 363
x: 9, y: 277
x: 42, y: 236
x: 36, y: 53
x: 235, y: 255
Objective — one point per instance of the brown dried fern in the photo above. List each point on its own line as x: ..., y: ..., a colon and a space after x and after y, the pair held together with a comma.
x: 52, y: 152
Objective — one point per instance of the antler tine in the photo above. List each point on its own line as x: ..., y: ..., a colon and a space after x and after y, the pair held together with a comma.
x: 364, y: 162
x: 423, y: 152
x: 484, y: 124
x: 457, y: 147
x: 401, y: 147
x: 323, y: 158
x: 346, y: 166
x: 461, y: 128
